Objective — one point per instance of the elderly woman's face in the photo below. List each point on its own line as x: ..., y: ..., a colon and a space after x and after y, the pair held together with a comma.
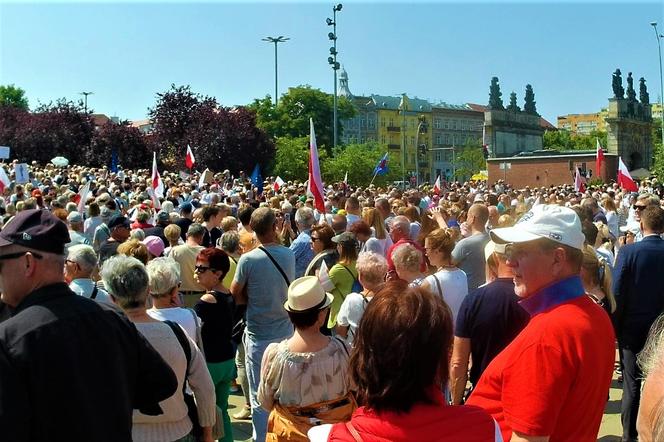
x: 206, y: 276
x: 316, y: 242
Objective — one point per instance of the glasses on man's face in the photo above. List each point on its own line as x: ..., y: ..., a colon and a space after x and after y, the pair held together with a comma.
x: 515, y: 251
x: 639, y: 207
x: 201, y: 269
x: 314, y: 239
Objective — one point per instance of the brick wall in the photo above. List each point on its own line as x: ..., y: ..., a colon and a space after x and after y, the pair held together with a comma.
x: 534, y: 171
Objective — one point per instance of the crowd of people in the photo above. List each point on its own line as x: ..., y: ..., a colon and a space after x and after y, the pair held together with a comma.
x: 478, y: 313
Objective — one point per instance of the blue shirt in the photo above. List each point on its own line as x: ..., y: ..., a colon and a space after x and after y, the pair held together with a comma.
x: 303, y: 252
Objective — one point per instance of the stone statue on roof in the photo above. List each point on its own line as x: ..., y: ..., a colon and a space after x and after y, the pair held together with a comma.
x: 495, y: 102
x: 618, y: 90
x: 631, y: 93
x: 644, y: 96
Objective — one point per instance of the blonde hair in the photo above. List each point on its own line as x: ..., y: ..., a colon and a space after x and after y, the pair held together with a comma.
x: 373, y: 217
x: 228, y: 223
x: 600, y: 272
x: 172, y: 233
x: 135, y: 249
x: 443, y: 240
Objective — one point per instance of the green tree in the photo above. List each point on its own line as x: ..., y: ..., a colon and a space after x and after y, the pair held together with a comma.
x: 359, y: 160
x: 658, y: 150
x: 13, y: 96
x: 469, y: 161
x: 565, y: 140
x: 291, y: 161
x: 290, y: 118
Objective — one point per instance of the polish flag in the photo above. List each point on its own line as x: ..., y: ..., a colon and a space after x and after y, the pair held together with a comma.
x: 315, y: 185
x: 436, y: 186
x: 579, y: 182
x: 624, y: 178
x: 82, y: 197
x: 157, y: 183
x: 599, y: 160
x: 5, y: 182
x: 189, y: 159
x: 278, y: 184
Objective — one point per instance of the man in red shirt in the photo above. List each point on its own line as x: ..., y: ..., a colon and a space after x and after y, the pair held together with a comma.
x: 399, y: 234
x: 552, y: 381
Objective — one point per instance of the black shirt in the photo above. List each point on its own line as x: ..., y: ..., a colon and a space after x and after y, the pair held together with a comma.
x: 108, y: 248
x: 74, y: 369
x: 183, y: 224
x: 491, y: 318
x: 217, y: 329
x: 158, y: 231
x: 210, y: 237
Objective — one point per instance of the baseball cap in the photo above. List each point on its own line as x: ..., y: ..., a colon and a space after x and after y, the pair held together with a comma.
x: 74, y: 217
x: 163, y: 216
x: 118, y: 220
x: 344, y: 238
x: 559, y: 224
x: 154, y: 245
x: 36, y: 229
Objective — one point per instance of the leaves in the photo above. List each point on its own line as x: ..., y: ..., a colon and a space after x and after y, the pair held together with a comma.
x: 12, y: 96
x: 565, y: 140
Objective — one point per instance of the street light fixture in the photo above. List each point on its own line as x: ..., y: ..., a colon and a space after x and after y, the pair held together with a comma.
x: 85, y: 94
x: 661, y: 82
x: 276, y: 41
x: 332, y: 61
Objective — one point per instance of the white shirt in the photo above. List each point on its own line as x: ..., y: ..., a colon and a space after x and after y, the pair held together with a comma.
x: 186, y: 317
x: 351, y: 312
x: 454, y: 287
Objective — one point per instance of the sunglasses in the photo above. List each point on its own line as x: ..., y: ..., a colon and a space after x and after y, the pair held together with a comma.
x: 201, y: 269
x: 638, y: 207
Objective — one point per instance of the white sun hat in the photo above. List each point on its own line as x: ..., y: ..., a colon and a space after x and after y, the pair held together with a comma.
x: 307, y: 293
x: 559, y: 224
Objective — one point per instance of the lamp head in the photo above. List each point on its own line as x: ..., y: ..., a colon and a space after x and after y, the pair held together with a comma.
x: 331, y: 36
x: 653, y: 23
x: 329, y: 21
x: 330, y: 60
x: 338, y: 7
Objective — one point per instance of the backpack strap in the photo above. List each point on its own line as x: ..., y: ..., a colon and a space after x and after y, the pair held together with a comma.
x: 95, y: 291
x: 184, y: 343
x: 440, y: 289
x: 343, y: 344
x: 276, y: 264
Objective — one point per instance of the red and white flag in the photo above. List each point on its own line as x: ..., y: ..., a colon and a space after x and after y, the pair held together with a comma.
x: 189, y: 160
x: 157, y: 183
x: 83, y: 194
x: 579, y: 182
x: 436, y: 186
x: 315, y: 185
x: 278, y: 184
x: 5, y: 182
x: 624, y: 178
x: 599, y: 160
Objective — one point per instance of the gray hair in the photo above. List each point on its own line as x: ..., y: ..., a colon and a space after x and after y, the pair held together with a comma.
x: 402, y: 223
x: 651, y: 359
x: 407, y: 257
x: 164, y: 274
x: 71, y: 207
x: 305, y: 217
x: 229, y: 241
x: 126, y: 279
x: 83, y: 255
x: 372, y: 267
x: 138, y: 234
x: 196, y: 230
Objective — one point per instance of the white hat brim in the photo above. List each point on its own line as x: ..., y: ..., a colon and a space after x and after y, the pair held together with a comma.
x: 512, y: 234
x: 329, y: 297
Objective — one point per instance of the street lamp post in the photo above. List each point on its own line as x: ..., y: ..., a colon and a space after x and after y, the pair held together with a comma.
x: 420, y: 125
x: 276, y: 40
x: 332, y: 60
x: 661, y: 82
x: 85, y: 100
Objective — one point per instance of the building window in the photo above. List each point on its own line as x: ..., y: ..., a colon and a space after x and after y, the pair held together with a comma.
x: 454, y: 124
x: 439, y: 139
x: 391, y: 122
x: 437, y: 123
x: 446, y: 124
x: 438, y: 156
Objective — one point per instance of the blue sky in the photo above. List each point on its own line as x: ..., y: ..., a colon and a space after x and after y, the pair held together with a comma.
x: 127, y: 52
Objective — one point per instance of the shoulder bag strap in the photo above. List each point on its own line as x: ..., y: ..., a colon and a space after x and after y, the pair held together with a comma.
x: 95, y: 290
x: 440, y: 289
x: 343, y: 344
x: 348, y: 270
x: 276, y: 264
x: 353, y: 432
x: 184, y: 343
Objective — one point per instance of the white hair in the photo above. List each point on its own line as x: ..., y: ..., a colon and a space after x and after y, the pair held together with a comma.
x: 164, y: 274
x: 126, y: 279
x: 83, y: 255
x: 305, y: 217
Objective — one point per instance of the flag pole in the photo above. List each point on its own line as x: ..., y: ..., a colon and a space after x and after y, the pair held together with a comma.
x: 374, y: 177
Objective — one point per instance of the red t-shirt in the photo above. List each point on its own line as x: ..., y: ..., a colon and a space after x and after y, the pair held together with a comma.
x: 424, y: 423
x: 553, y: 379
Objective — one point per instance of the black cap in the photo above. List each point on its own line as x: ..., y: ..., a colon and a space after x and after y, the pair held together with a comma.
x: 36, y: 229
x: 118, y: 220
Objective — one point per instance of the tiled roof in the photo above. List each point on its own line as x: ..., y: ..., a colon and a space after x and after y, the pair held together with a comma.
x: 414, y: 104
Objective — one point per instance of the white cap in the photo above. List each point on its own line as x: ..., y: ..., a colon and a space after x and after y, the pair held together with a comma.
x: 553, y: 222
x: 478, y: 198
